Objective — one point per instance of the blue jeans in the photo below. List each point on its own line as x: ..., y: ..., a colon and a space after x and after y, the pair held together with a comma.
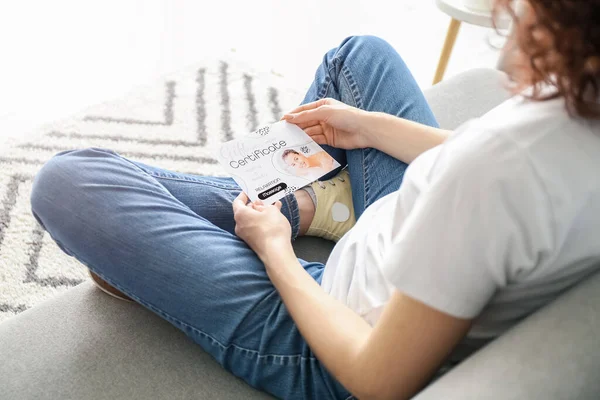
x: 167, y: 239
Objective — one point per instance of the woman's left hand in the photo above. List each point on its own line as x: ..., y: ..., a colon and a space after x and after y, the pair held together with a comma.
x: 262, y: 227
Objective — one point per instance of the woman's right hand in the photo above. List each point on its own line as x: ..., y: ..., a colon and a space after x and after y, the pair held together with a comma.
x: 331, y: 122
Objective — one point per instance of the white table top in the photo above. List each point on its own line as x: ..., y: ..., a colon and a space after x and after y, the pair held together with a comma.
x: 457, y: 10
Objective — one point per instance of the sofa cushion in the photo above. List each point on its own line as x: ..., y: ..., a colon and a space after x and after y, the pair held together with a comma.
x: 87, y: 345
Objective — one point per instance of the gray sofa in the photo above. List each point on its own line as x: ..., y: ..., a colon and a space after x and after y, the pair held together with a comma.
x: 87, y: 345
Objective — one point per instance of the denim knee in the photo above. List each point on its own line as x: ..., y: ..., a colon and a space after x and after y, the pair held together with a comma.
x: 358, y: 68
x: 372, y: 49
x: 55, y: 186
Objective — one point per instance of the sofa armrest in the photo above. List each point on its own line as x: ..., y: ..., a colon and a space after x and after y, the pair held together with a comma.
x: 553, y: 354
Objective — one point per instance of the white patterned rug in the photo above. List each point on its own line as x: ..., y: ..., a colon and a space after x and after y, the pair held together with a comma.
x: 177, y: 123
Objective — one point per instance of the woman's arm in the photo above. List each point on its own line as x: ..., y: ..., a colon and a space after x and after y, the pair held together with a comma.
x: 336, y: 124
x: 389, y: 361
x: 401, y: 138
x: 393, y: 360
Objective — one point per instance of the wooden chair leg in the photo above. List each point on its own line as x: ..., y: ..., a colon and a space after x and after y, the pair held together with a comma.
x: 447, y: 50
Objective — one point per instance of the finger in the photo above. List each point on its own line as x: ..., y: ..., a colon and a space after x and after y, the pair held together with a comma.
x: 243, y: 197
x: 314, y: 130
x: 278, y: 204
x: 241, y: 214
x: 319, y: 139
x: 304, y: 107
x: 308, y: 124
x: 308, y: 106
x: 258, y: 202
x: 239, y: 202
x: 318, y: 114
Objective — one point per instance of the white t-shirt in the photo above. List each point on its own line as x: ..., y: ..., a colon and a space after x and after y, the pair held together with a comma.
x: 493, y: 224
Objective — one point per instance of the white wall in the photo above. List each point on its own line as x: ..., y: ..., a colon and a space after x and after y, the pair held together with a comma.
x: 60, y: 56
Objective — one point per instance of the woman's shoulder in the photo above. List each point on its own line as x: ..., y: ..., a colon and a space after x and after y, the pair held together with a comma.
x: 527, y: 121
x: 523, y: 129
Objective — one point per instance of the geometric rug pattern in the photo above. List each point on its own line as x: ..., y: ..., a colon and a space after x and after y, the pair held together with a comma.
x: 177, y: 123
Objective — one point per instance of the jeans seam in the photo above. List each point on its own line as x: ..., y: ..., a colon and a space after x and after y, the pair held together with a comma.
x: 364, y: 176
x: 292, y: 205
x: 364, y: 154
x: 149, y: 177
x: 198, y: 181
x: 193, y: 180
x: 352, y: 85
x: 326, y: 85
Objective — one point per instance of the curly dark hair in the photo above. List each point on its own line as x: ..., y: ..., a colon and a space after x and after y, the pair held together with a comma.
x: 559, y: 42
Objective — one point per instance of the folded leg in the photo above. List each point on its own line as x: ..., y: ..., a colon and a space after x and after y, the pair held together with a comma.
x: 131, y: 230
x: 368, y: 73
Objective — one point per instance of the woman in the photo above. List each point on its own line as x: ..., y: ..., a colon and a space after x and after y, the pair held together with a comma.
x: 303, y: 165
x: 485, y: 229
